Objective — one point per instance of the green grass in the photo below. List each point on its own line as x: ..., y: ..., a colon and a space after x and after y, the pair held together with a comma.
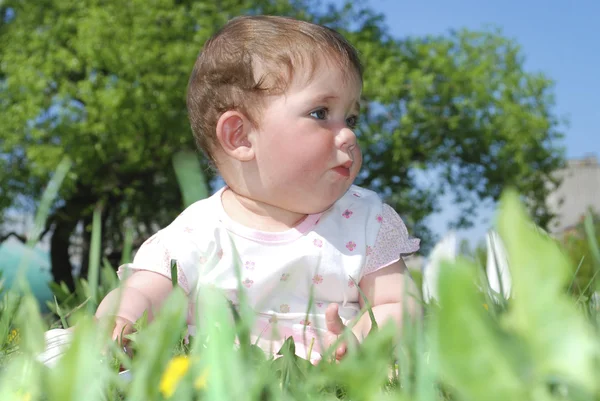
x: 541, y: 344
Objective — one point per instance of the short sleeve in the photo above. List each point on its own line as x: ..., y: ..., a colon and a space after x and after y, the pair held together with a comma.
x: 155, y: 255
x: 392, y: 242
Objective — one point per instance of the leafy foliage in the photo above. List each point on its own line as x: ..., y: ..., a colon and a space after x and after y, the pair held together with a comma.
x: 104, y: 84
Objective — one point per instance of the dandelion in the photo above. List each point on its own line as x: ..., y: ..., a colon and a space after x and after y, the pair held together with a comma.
x: 175, y: 371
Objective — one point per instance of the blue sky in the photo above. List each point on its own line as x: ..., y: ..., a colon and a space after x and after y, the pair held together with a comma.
x: 559, y: 39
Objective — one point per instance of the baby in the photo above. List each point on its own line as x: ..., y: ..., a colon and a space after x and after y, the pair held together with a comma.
x: 274, y: 103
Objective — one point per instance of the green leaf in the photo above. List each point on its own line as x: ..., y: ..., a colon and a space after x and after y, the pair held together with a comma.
x: 80, y: 373
x: 290, y: 368
x: 190, y: 177
x: 476, y: 357
x: 94, y: 258
x: 154, y: 346
x: 560, y: 341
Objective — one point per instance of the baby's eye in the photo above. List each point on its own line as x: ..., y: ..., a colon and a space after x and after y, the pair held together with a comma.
x: 352, y: 122
x: 319, y: 114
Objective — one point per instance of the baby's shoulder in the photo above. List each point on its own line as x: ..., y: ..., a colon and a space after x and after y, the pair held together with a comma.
x: 195, y: 222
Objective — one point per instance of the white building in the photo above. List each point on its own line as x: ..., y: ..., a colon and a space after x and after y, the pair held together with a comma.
x: 578, y: 192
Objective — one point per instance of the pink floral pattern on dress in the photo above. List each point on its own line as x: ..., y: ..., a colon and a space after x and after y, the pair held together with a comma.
x: 305, y: 322
x: 248, y: 283
x: 249, y: 265
x: 284, y: 277
x: 347, y: 213
x: 351, y: 283
x: 319, y: 304
x: 351, y: 245
x: 317, y: 279
x: 318, y: 243
x: 284, y: 308
x: 369, y: 250
x: 392, y: 242
x: 356, y: 194
x: 379, y: 218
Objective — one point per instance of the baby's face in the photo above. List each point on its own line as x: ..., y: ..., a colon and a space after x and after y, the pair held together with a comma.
x: 306, y: 149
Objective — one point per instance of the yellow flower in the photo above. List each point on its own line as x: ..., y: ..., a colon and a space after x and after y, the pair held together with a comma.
x: 13, y: 336
x: 176, y: 369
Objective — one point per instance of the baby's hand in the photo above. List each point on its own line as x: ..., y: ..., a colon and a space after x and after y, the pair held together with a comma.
x: 121, y: 329
x: 335, y: 327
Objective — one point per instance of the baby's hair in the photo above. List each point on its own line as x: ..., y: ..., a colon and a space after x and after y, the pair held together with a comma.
x: 254, y: 56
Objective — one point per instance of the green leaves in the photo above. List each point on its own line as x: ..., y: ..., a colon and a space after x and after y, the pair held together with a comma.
x: 475, y: 356
x: 559, y: 340
x: 81, y: 373
x: 541, y: 342
x: 155, y: 346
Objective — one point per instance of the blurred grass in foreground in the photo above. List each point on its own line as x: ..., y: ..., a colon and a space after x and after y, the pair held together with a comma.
x: 541, y: 344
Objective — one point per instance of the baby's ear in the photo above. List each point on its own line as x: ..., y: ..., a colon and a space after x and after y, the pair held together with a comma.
x: 232, y: 132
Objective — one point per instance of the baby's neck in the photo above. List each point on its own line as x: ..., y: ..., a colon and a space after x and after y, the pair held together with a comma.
x: 258, y: 215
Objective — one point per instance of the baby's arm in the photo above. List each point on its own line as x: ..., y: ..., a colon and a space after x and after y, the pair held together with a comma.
x: 389, y: 291
x: 142, y: 291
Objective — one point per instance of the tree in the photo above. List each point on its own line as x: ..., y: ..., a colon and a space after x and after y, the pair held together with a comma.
x: 104, y: 83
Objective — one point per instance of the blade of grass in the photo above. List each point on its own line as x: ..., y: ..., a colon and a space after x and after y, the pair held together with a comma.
x: 94, y: 258
x: 174, y: 278
x: 575, y: 274
x: 63, y: 321
x: 127, y: 244
x: 190, y: 177
x: 374, y: 326
x: 591, y: 235
x: 48, y: 197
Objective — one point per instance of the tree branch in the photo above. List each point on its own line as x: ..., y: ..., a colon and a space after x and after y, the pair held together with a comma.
x: 20, y: 237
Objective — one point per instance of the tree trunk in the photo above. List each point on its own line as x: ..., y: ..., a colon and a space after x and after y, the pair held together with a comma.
x: 65, y: 221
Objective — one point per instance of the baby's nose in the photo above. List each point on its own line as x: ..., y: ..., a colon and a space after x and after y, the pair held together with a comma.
x: 346, y: 140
